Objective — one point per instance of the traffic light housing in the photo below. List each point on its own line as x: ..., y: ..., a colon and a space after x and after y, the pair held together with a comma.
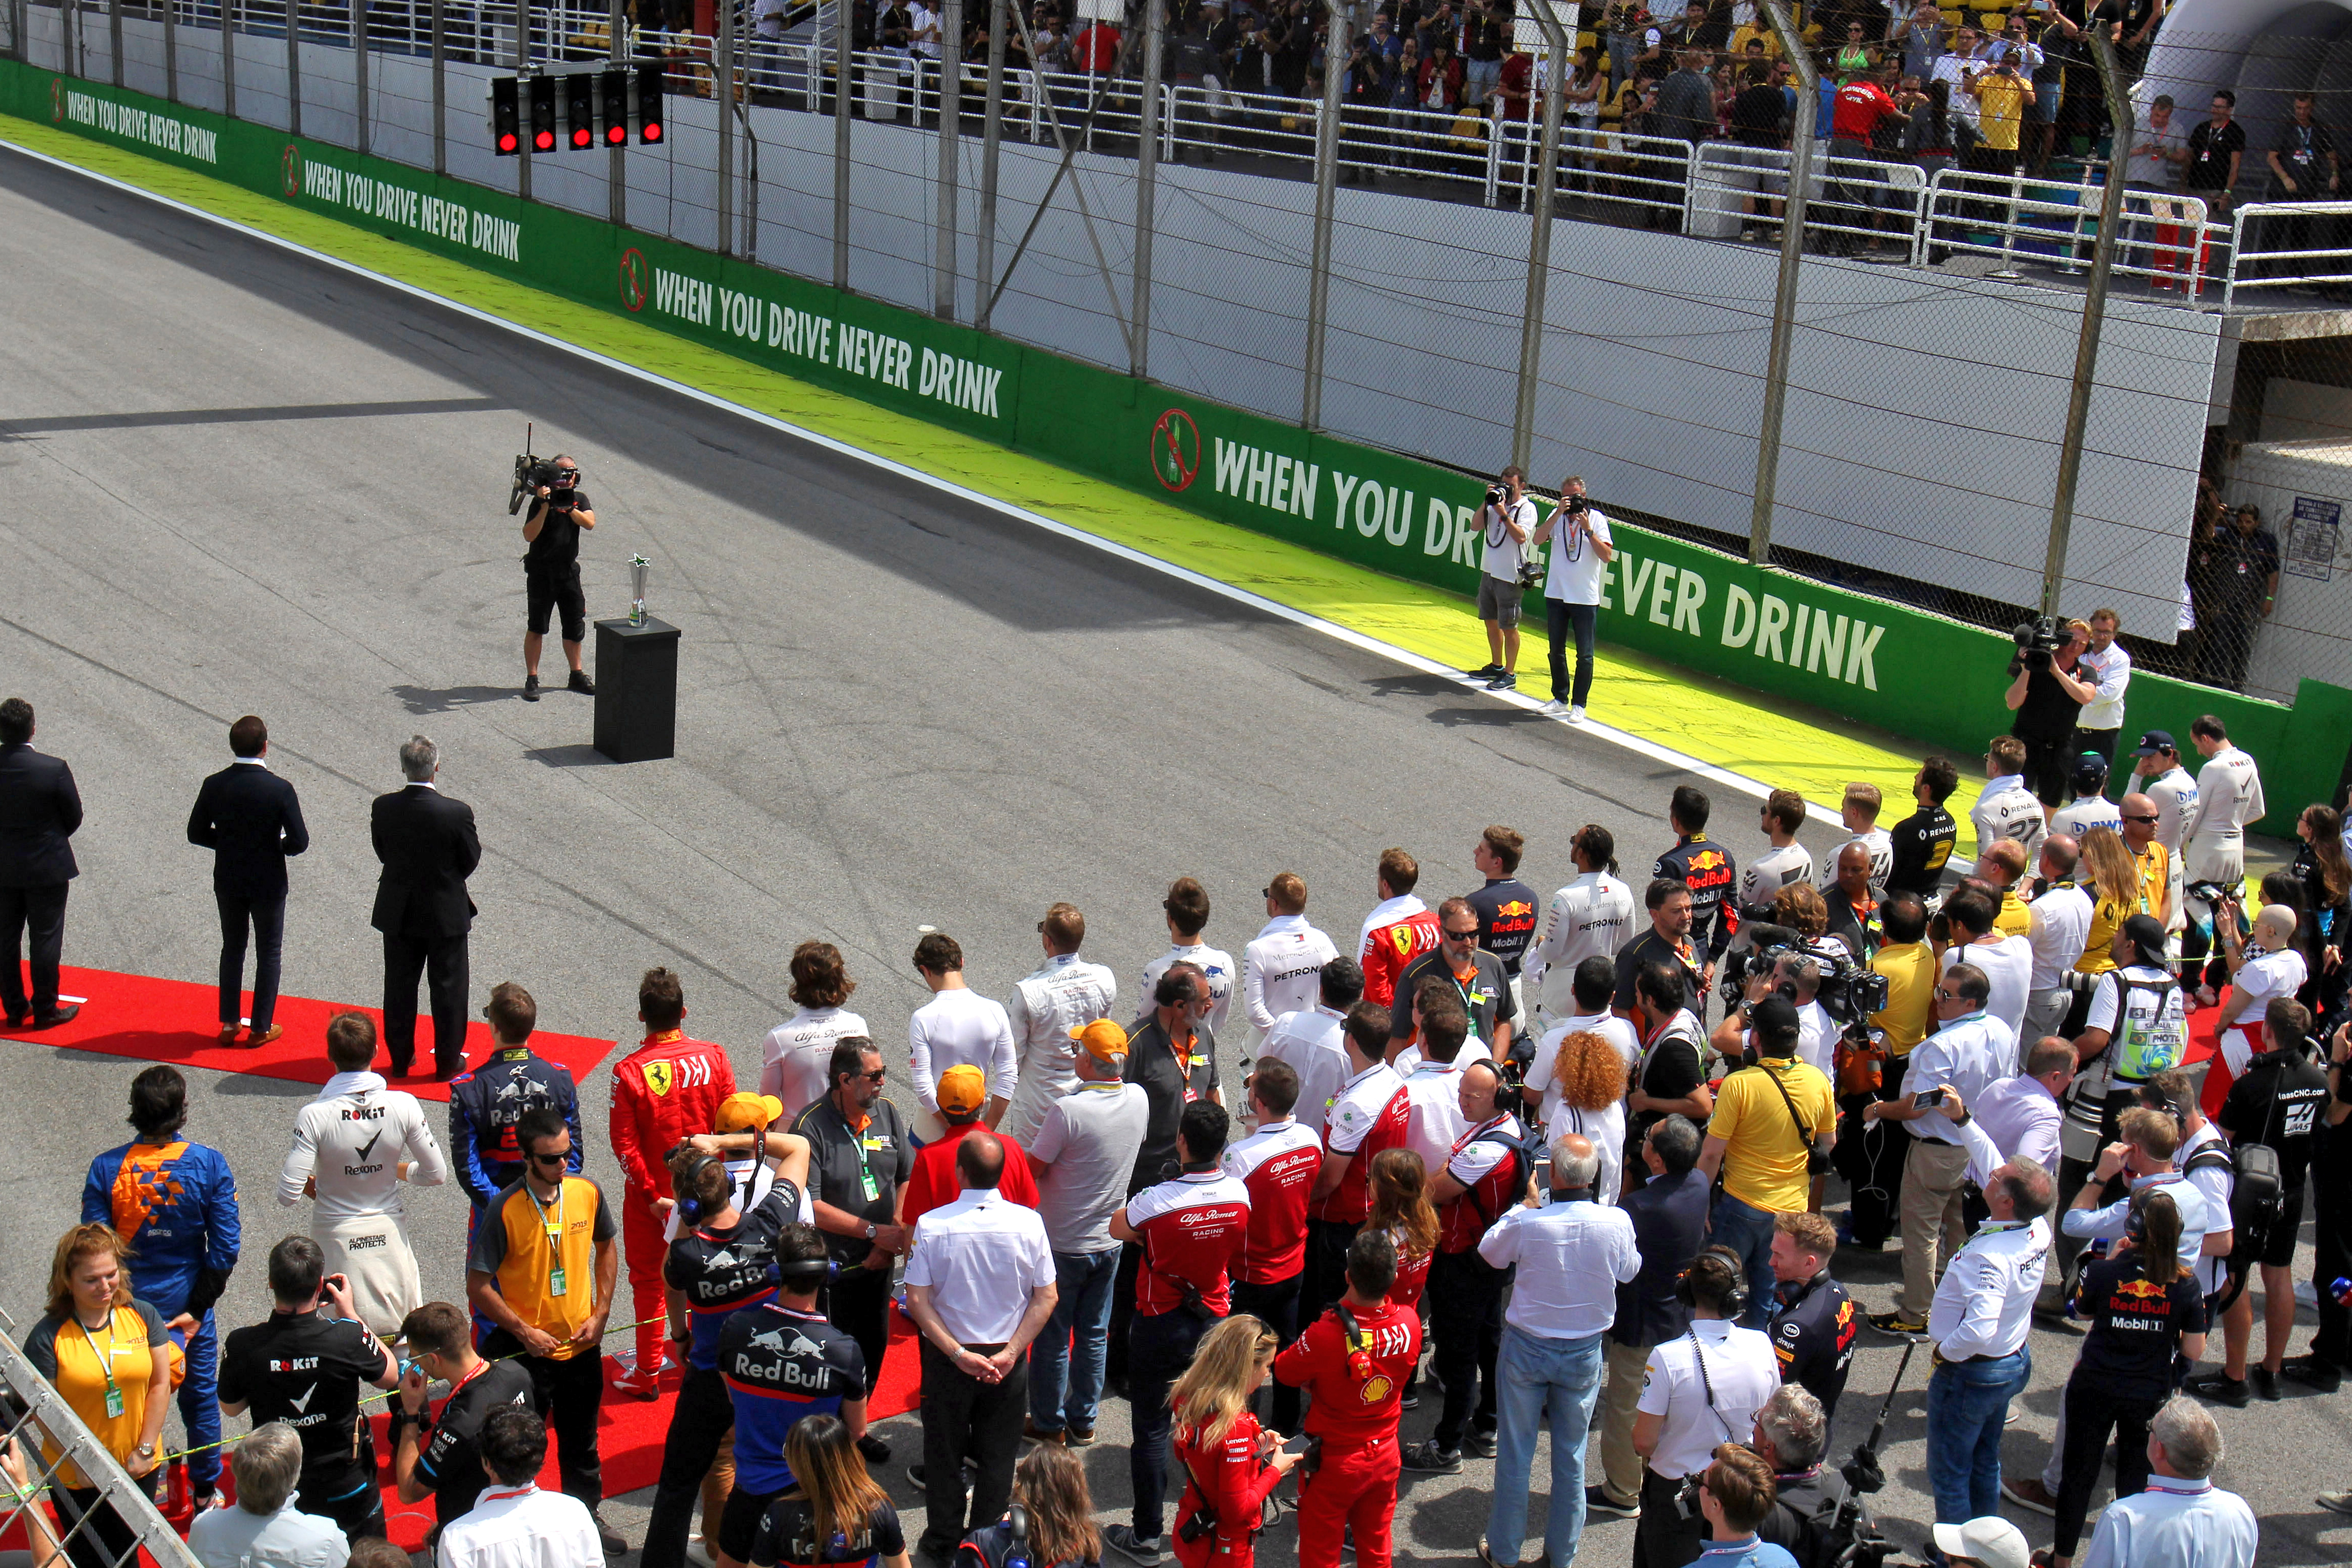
x: 649, y: 101
x: 506, y: 119
x: 543, y: 114
x: 580, y: 110
x: 615, y: 88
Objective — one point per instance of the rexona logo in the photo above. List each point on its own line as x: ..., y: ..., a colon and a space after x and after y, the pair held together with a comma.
x: 1176, y: 449
x: 140, y: 125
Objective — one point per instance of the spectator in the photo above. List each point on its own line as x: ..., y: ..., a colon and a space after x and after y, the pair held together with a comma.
x: 542, y: 1268
x: 1735, y: 1496
x: 1050, y: 1485
x: 1310, y: 1041
x: 43, y: 810
x: 1591, y: 917
x: 1774, y: 1118
x: 2246, y: 577
x: 1276, y: 1163
x: 2216, y: 150
x: 963, y: 1092
x: 251, y: 820
x: 1873, y: 1151
x: 1187, y: 909
x: 441, y: 1458
x: 2002, y: 95
x: 2005, y: 961
x: 1811, y: 1326
x: 979, y: 1286
x: 1667, y: 941
x: 1217, y: 1436
x: 2187, y: 1521
x: 1684, y: 1415
x: 2267, y: 965
x: 1585, y: 1009
x: 1282, y: 968
x: 859, y: 1156
x: 1481, y: 49
x: 263, y: 1530
x: 1569, y: 1257
x: 835, y: 1511
x: 1954, y: 69
x: 1485, y: 1174
x: 1706, y: 868
x: 793, y: 1057
x: 1669, y: 1218
x: 1863, y: 113
x: 1402, y: 1212
x: 1372, y: 1112
x: 2276, y: 1102
x: 2023, y: 1114
x: 1400, y: 928
x: 1356, y: 1385
x: 2060, y: 931
x: 1791, y: 1436
x: 1083, y: 1156
x: 514, y: 1524
x: 1670, y: 1080
x: 1633, y: 38
x: 1852, y: 905
x: 1685, y: 110
x: 1505, y: 908
x: 2327, y: 871
x: 1921, y: 38
x: 956, y: 1026
x: 1587, y: 1073
x: 1433, y: 1079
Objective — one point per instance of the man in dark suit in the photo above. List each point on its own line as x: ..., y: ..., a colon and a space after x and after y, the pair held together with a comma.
x: 250, y: 818
x: 428, y: 845
x: 39, y: 809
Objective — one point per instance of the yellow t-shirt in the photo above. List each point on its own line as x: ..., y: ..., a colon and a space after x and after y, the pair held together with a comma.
x: 1765, y: 1166
x: 1910, y: 970
x: 2000, y: 106
x: 76, y: 1362
x: 529, y: 1245
x: 2016, y: 917
x: 2155, y: 875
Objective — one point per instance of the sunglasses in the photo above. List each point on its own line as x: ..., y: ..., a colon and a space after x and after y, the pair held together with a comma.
x: 876, y: 1076
x: 549, y: 1158
x: 1470, y: 935
x: 2150, y: 821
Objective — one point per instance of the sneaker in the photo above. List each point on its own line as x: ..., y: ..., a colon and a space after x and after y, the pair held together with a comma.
x: 1483, y: 672
x: 2313, y: 1373
x: 531, y: 688
x: 1430, y: 1459
x: 2027, y: 1492
x: 1122, y: 1538
x: 612, y: 1544
x: 2221, y: 1389
x: 876, y: 1451
x: 630, y: 1385
x: 1486, y: 1556
x: 2335, y: 1502
x: 1479, y: 1445
x: 1506, y: 682
x: 2264, y: 1381
x: 1576, y: 713
x: 580, y: 683
x: 1078, y: 1437
x: 1553, y: 709
x: 1895, y: 1322
x: 1598, y: 1504
x: 1036, y: 1434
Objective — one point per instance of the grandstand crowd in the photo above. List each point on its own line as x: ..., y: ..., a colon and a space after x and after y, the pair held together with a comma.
x: 1537, y: 1166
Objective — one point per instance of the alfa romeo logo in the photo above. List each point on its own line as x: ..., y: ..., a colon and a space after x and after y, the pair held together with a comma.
x: 1176, y: 449
x: 290, y: 171
x: 633, y: 279
x: 58, y: 98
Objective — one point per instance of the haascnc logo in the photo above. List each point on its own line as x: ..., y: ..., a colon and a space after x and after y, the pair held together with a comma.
x: 1176, y: 449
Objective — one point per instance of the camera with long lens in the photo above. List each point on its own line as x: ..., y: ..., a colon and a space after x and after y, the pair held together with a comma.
x: 1848, y: 992
x: 2038, y: 642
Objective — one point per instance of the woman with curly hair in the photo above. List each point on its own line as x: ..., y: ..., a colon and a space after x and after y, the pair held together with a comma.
x: 1590, y: 1072
x: 1402, y: 1211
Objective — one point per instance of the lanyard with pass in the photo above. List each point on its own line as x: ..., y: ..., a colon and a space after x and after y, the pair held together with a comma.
x: 557, y: 1282
x: 115, y: 1404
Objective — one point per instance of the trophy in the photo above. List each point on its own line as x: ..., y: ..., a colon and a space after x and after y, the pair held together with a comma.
x: 638, y: 566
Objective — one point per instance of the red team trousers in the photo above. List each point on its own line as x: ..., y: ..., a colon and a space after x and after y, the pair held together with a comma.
x: 1354, y: 1490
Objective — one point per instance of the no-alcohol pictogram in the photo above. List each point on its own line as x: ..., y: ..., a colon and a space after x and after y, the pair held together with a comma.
x: 1176, y: 449
x: 290, y: 171
x: 632, y: 279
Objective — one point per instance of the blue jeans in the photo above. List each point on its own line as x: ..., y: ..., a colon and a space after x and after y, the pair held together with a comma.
x: 1065, y: 1391
x: 1967, y: 1405
x: 1747, y: 1231
x: 1544, y: 1382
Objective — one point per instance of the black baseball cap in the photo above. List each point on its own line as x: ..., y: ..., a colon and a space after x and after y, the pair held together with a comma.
x: 2146, y: 933
x: 1773, y: 1015
x: 2154, y: 740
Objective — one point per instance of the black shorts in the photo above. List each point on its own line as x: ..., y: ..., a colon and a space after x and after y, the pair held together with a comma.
x: 2278, y: 1247
x: 739, y: 1525
x: 547, y: 592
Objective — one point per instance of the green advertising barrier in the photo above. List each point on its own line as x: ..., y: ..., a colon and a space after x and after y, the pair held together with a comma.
x: 1869, y: 660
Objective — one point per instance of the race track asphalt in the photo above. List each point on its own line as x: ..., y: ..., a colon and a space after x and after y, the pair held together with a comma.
x: 237, y: 481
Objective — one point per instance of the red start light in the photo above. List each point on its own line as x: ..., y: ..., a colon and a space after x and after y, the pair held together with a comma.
x: 544, y: 140
x: 581, y: 138
x: 652, y: 132
x: 506, y: 142
x: 616, y: 134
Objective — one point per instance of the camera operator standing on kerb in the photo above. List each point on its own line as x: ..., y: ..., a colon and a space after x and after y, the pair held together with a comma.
x: 1580, y: 553
x: 2048, y: 697
x: 1509, y: 517
x: 551, y: 570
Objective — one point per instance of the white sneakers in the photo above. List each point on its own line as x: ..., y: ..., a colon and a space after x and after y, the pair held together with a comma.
x: 1576, y: 715
x: 1553, y: 709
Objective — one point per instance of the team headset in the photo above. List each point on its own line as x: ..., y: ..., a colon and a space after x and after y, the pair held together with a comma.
x: 689, y: 1209
x: 1735, y: 1302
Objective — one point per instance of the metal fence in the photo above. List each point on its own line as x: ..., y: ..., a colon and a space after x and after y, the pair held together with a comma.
x: 107, y: 1517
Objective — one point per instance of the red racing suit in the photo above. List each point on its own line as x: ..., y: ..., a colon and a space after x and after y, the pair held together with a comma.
x: 667, y: 1090
x: 1391, y: 948
x: 1358, y: 1392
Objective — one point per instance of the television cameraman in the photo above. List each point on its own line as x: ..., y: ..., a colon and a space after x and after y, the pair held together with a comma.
x: 551, y: 570
x: 1508, y: 518
x: 2048, y: 696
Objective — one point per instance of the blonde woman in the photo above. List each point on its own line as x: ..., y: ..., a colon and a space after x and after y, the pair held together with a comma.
x: 1590, y: 1071
x: 2111, y: 876
x: 1402, y: 1211
x: 1231, y: 1464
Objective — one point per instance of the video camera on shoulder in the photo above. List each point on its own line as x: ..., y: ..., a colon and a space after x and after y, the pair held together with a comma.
x: 1848, y: 992
x: 531, y: 473
x: 2038, y: 642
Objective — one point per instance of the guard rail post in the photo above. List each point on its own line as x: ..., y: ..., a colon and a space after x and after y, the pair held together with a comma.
x: 2237, y: 247
x: 841, y: 85
x: 1561, y: 41
x: 172, y: 50
x: 358, y: 76
x: 1146, y: 189
x: 114, y: 39
x: 2095, y: 310
x: 723, y: 94
x: 1802, y: 134
x: 1326, y: 190
x: 992, y: 137
x: 943, y: 268
x: 617, y: 52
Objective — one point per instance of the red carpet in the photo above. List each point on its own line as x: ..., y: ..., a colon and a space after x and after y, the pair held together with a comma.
x: 178, y: 1022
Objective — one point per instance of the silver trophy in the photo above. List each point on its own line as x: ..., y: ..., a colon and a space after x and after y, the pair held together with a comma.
x: 638, y: 566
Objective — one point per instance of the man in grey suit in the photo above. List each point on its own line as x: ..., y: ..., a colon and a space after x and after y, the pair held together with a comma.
x: 250, y: 818
x: 428, y: 845
x: 39, y: 810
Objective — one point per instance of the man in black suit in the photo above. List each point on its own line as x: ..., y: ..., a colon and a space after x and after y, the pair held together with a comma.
x: 250, y: 818
x: 39, y: 809
x: 427, y: 843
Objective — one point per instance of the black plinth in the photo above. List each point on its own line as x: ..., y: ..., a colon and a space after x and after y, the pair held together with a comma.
x: 636, y: 690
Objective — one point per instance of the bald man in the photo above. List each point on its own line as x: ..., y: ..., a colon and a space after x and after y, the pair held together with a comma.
x: 2264, y: 966
x: 2159, y: 868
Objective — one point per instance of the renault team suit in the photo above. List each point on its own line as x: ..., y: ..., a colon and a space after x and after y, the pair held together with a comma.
x: 486, y: 1104
x: 175, y: 1204
x: 1356, y: 1388
x: 667, y: 1090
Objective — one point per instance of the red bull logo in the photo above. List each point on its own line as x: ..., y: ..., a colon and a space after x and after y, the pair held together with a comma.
x: 1516, y: 907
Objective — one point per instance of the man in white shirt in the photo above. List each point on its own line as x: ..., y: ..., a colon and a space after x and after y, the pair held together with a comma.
x: 1433, y: 1088
x: 2007, y: 809
x: 1969, y: 1051
x: 2182, y: 1520
x: 2108, y: 666
x: 1695, y: 1389
x: 1048, y: 1009
x: 1785, y: 862
x: 1578, y: 534
x: 1954, y: 69
x: 2267, y: 966
x: 925, y: 36
x: 1571, y: 1254
x: 979, y: 1286
x: 1282, y: 967
x: 2214, y: 835
x: 1592, y: 916
x: 1187, y: 908
x: 2090, y: 807
x: 2021, y: 1115
x: 2167, y: 783
x: 353, y: 1146
x: 1310, y: 1041
x: 1508, y: 521
x: 2007, y: 961
x: 513, y: 1523
x: 957, y: 1028
x: 2061, y: 925
x: 1859, y: 811
x: 1082, y: 1155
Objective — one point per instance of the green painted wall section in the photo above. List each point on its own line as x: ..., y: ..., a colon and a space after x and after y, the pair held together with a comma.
x: 1867, y: 659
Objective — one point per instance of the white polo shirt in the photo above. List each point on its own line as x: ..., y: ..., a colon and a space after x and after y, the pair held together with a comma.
x: 1969, y: 1053
x: 1571, y: 1258
x: 1703, y: 1411
x: 1435, y: 1092
x: 2109, y: 672
x: 2061, y: 924
x: 1310, y: 1041
x: 981, y: 1257
x: 521, y: 1527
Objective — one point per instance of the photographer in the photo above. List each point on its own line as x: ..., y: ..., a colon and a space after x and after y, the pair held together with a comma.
x: 1581, y: 554
x: 2048, y: 698
x: 1773, y: 1126
x: 1508, y: 518
x: 551, y: 570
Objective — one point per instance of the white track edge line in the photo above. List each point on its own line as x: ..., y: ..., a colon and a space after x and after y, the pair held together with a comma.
x: 1639, y: 745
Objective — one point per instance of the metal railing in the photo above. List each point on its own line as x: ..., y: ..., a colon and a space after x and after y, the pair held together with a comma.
x: 2294, y: 260
x: 1735, y: 188
x: 32, y: 1411
x: 2166, y: 239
